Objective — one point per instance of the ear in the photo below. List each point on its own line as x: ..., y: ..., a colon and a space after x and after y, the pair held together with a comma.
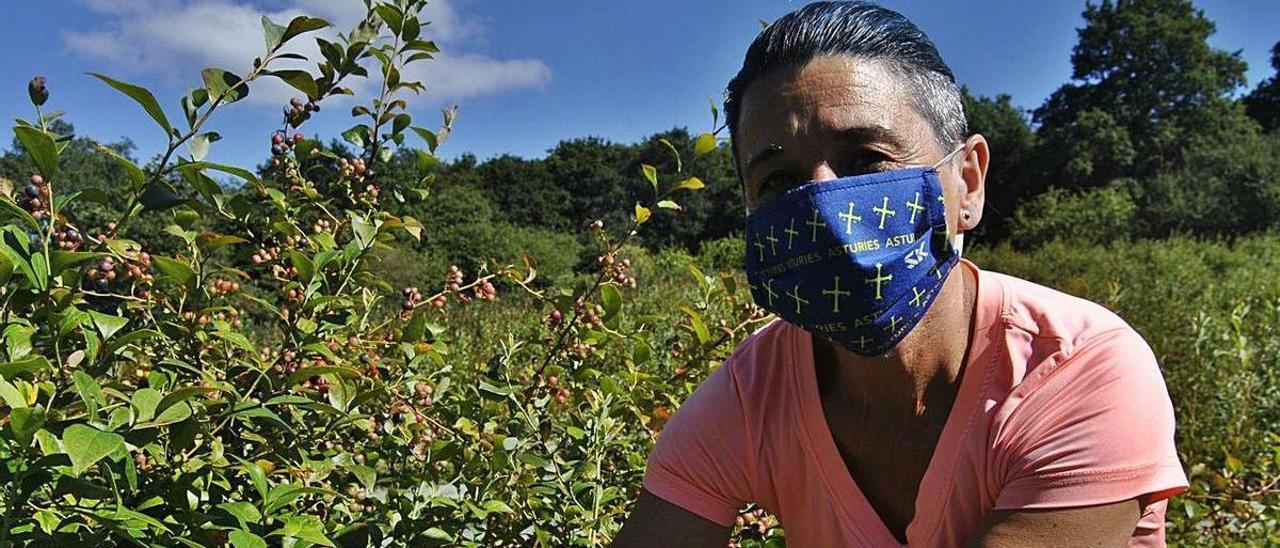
x: 972, y: 192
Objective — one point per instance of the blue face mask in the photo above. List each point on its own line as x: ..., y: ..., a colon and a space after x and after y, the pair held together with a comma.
x: 856, y: 260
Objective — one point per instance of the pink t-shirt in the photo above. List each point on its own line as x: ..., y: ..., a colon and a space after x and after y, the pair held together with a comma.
x: 1061, y: 404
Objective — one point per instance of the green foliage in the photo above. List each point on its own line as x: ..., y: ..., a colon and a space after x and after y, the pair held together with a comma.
x: 1263, y: 103
x: 1094, y: 215
x: 1011, y: 141
x: 187, y: 363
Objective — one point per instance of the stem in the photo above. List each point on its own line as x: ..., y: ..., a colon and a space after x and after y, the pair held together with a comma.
x: 163, y: 168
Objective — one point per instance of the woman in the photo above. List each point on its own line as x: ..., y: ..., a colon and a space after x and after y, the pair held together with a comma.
x: 904, y: 395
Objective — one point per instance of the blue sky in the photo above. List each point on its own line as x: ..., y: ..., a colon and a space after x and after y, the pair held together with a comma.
x: 525, y: 73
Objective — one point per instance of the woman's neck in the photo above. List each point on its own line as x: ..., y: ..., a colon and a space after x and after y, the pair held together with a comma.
x: 918, y: 375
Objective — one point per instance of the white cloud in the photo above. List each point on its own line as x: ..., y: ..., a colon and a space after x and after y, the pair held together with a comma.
x: 176, y: 38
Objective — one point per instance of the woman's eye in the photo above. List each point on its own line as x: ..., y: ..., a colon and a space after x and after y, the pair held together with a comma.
x: 776, y: 182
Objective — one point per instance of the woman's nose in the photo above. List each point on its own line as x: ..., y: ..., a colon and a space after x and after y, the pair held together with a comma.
x: 822, y: 172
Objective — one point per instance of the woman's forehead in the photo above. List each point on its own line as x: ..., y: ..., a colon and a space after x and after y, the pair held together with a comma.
x: 826, y: 94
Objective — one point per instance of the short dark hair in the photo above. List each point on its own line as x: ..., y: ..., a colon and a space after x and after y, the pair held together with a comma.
x: 861, y: 30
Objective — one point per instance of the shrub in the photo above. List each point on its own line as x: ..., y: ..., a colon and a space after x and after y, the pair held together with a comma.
x: 1095, y: 215
x: 285, y: 375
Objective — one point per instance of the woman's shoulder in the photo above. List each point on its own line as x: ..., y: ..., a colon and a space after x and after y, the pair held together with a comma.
x: 1042, y: 312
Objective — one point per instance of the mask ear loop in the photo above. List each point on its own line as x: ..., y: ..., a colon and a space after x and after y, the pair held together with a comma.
x: 949, y: 156
x: 957, y: 240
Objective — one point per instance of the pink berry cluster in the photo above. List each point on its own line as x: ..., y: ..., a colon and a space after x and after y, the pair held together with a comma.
x: 299, y: 111
x: 265, y: 254
x: 281, y: 143
x: 322, y: 226
x: 757, y: 519
x: 615, y: 270
x: 35, y: 197
x: 411, y: 297
x: 353, y: 168
x: 68, y: 239
x: 222, y: 286
x: 110, y: 273
x: 560, y: 393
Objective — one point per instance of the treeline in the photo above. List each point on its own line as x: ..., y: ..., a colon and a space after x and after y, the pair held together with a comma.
x: 1155, y: 134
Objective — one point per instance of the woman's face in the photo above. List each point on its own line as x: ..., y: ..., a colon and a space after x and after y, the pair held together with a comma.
x: 834, y: 117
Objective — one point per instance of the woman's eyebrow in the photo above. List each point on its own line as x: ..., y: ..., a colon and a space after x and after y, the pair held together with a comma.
x: 861, y: 135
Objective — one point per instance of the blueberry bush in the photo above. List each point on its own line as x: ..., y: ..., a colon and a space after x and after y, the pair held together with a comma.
x: 261, y: 383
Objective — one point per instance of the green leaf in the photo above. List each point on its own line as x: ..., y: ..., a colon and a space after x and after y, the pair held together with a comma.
x: 15, y: 210
x: 612, y: 300
x: 692, y: 183
x: 428, y: 136
x: 650, y: 173
x: 243, y: 511
x: 144, y: 402
x: 363, y: 231
x: 140, y: 95
x: 11, y: 369
x: 135, y: 173
x: 86, y: 445
x: 498, y: 506
x: 158, y: 196
x: 300, y: 80
x: 306, y: 269
x: 699, y: 327
x: 356, y: 135
x: 89, y: 391
x: 199, y: 145
x: 367, y: 476
x: 218, y: 81
x: 273, y: 33
x: 107, y: 325
x: 6, y: 268
x: 242, y: 173
x: 183, y: 394
x: 308, y: 528
x: 39, y: 146
x: 642, y: 214
x: 60, y: 260
x: 175, y: 413
x: 11, y: 395
x: 178, y: 270
x: 391, y: 16
x: 24, y: 422
x: 302, y: 24
x: 705, y: 143
x: 244, y: 539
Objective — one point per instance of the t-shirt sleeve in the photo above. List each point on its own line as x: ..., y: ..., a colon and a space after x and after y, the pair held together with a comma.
x: 700, y: 461
x: 1096, y: 429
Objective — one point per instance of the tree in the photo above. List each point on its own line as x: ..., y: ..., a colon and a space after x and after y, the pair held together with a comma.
x: 1151, y: 101
x: 1263, y: 104
x: 1011, y: 140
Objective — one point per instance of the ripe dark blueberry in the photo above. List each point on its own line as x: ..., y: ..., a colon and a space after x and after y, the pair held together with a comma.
x: 32, y: 191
